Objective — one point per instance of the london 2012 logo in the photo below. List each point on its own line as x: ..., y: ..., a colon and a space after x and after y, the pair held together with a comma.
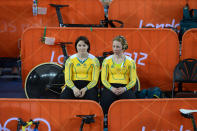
x: 5, y: 128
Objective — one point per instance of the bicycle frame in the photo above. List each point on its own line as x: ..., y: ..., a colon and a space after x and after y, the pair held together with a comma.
x: 24, y: 125
x: 103, y: 23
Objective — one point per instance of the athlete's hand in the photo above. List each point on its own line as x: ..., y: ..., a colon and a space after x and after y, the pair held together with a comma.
x: 83, y: 91
x: 121, y: 90
x: 115, y: 90
x: 76, y: 91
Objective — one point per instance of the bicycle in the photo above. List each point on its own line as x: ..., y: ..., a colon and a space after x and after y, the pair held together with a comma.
x: 24, y: 125
x: 45, y: 80
x: 103, y: 23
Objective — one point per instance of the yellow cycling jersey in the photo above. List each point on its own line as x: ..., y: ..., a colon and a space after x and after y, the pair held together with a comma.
x: 87, y: 70
x: 124, y: 73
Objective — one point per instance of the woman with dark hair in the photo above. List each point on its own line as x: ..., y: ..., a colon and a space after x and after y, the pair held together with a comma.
x: 81, y: 73
x: 118, y: 75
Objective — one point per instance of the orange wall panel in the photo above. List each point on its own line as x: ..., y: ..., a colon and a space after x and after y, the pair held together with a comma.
x: 17, y: 15
x: 60, y: 115
x: 149, y: 13
x: 156, y: 51
x: 150, y: 114
x: 189, y: 44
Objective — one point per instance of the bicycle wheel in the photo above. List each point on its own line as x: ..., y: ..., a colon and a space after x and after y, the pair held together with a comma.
x: 44, y: 81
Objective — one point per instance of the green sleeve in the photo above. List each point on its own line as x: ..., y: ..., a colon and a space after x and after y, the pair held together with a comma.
x: 132, y: 75
x: 104, y: 75
x: 68, y: 74
x: 95, y: 73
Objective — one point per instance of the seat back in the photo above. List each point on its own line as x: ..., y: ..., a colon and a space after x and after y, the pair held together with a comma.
x: 146, y: 13
x: 189, y: 44
x: 150, y: 115
x: 186, y: 71
x: 146, y: 48
x: 53, y: 115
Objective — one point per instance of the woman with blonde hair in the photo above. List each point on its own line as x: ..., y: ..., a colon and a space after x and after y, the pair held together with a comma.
x: 118, y: 75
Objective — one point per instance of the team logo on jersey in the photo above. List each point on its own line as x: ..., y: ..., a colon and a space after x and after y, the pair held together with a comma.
x: 84, y: 65
x: 118, y: 69
x: 78, y: 64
